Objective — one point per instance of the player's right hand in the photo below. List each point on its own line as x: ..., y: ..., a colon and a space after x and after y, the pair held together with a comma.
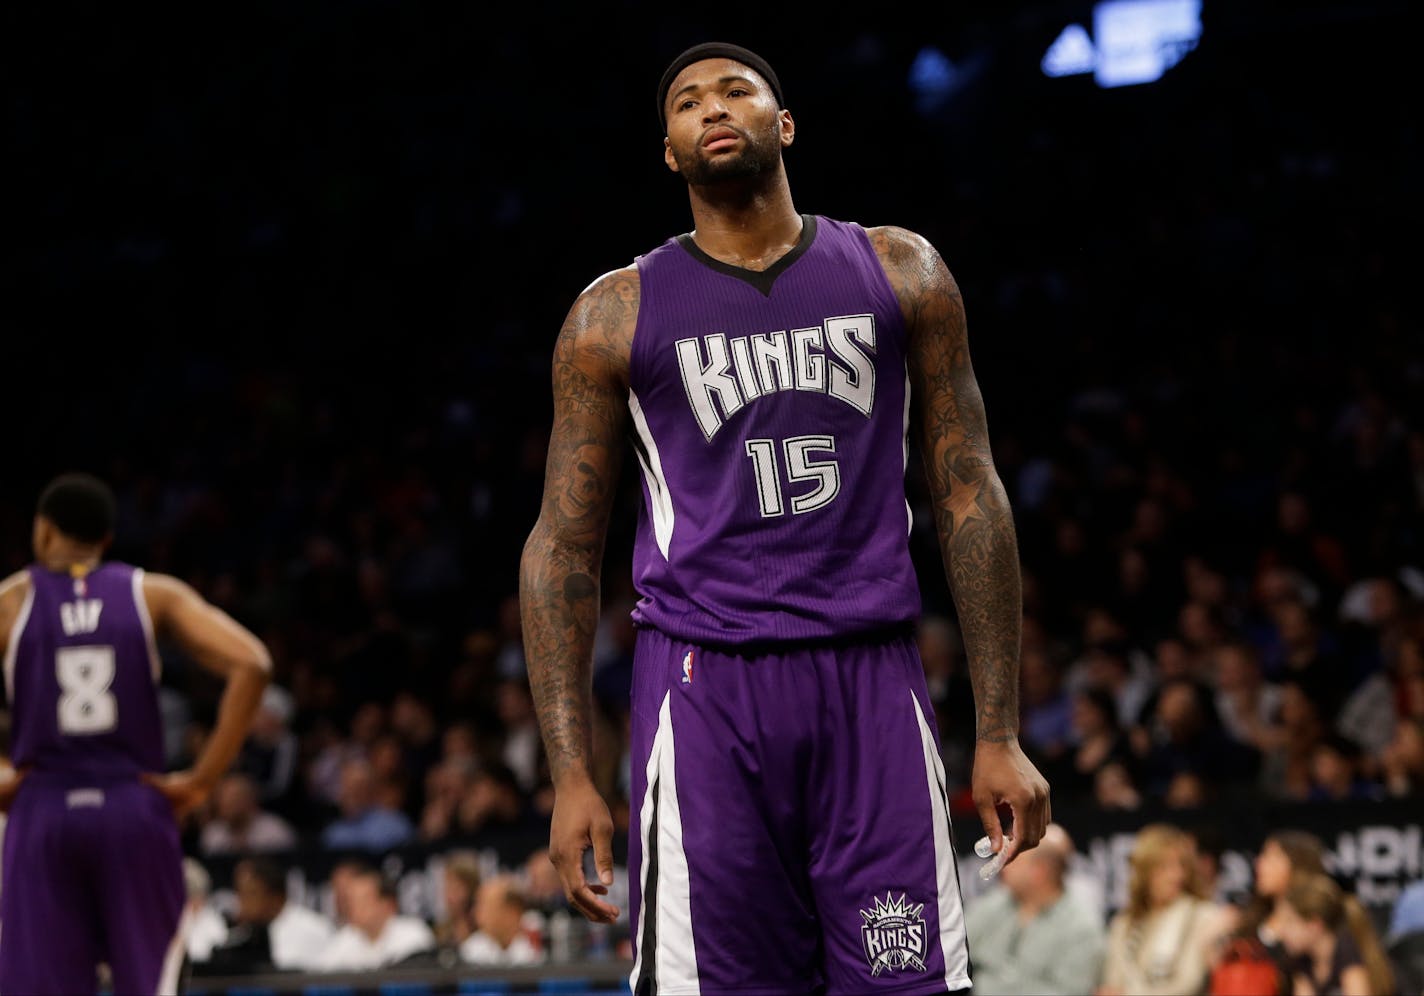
x: 581, y: 820
x: 183, y: 790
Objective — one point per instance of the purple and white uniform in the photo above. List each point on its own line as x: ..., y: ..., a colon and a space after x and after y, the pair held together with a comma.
x: 793, y: 828
x: 92, y: 858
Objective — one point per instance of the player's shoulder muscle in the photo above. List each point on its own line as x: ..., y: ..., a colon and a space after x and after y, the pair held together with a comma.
x: 12, y: 596
x: 916, y: 270
x: 597, y: 334
x: 164, y: 593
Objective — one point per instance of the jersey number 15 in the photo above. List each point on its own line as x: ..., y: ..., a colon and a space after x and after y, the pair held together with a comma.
x: 800, y: 468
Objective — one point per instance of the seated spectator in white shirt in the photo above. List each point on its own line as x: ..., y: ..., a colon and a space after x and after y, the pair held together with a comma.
x: 377, y: 933
x: 203, y: 927
x: 500, y: 937
x: 239, y: 824
x: 296, y: 934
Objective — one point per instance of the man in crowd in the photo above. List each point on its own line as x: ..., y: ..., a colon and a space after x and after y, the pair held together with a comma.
x: 376, y: 933
x: 1030, y: 935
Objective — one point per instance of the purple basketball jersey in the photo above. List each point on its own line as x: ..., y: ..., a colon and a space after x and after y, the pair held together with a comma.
x: 92, y: 862
x: 770, y: 412
x: 82, y: 673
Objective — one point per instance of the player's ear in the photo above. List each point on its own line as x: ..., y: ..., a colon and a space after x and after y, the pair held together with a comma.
x: 668, y: 157
x: 788, y: 127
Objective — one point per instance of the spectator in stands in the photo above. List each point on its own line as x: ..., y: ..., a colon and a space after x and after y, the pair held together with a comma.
x: 203, y: 926
x: 1290, y: 743
x: 1285, y: 855
x: 1028, y: 934
x: 460, y: 884
x: 1114, y: 787
x: 1184, y: 736
x: 365, y: 823
x: 413, y: 720
x: 271, y: 751
x: 1332, y: 941
x: 446, y: 784
x: 494, y: 801
x: 325, y: 772
x: 542, y: 888
x: 1336, y: 772
x: 1165, y: 939
x: 376, y: 934
x: 239, y: 824
x: 1247, y: 703
x: 1097, y: 739
x: 268, y: 931
x: 344, y: 874
x: 1046, y: 707
x: 295, y: 935
x: 521, y: 744
x: 1208, y: 846
x: 500, y: 938
x: 1402, y: 761
x: 1114, y: 666
x: 1404, y: 940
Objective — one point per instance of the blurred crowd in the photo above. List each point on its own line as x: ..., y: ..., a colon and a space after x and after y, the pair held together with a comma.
x: 1298, y: 932
x: 1189, y: 316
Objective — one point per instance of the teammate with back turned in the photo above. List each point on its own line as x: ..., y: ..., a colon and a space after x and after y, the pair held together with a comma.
x: 793, y: 831
x: 93, y: 865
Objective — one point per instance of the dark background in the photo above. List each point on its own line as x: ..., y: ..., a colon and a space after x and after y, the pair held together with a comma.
x: 289, y: 275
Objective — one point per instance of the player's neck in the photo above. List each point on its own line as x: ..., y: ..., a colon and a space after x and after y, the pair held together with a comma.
x: 66, y: 558
x: 749, y: 227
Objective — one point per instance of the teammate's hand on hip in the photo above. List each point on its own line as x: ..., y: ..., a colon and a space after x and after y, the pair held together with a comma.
x: 184, y: 790
x: 581, y: 820
x: 1004, y: 776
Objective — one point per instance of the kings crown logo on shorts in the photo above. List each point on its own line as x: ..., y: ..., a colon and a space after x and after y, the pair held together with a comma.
x: 893, y: 935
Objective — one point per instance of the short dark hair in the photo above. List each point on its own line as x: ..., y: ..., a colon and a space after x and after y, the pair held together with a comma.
x: 268, y: 873
x: 80, y: 505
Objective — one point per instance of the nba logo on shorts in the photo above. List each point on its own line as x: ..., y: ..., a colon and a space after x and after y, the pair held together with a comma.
x: 687, y: 669
x: 893, y: 935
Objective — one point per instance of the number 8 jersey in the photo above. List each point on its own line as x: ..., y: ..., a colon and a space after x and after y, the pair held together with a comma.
x: 81, y: 674
x: 769, y: 412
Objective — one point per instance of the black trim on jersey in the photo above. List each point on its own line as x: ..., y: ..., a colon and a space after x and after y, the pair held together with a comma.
x: 648, y: 977
x: 760, y: 279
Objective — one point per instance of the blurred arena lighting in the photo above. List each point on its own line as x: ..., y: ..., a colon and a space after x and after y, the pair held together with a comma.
x: 1133, y: 42
x: 933, y: 79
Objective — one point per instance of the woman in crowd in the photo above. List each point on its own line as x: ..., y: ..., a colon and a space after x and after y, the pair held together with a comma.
x: 1165, y: 939
x: 1333, y: 945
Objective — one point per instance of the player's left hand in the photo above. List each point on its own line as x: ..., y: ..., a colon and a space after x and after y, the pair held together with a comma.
x: 183, y: 790
x: 1004, y: 776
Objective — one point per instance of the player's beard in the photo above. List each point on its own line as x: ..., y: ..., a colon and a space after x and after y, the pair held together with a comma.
x: 758, y: 157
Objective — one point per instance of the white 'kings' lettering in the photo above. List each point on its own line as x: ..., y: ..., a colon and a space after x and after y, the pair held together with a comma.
x: 834, y: 358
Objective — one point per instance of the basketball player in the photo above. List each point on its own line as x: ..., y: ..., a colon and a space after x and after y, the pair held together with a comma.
x: 791, y: 828
x: 93, y: 866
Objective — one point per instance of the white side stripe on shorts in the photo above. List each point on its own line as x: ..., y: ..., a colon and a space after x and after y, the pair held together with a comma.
x: 952, y: 940
x: 665, y: 956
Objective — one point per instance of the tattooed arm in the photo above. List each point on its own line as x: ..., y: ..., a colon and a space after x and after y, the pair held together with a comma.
x: 975, y: 526
x: 559, y: 571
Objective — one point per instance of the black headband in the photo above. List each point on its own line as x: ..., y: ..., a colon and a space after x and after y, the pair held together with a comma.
x: 714, y: 50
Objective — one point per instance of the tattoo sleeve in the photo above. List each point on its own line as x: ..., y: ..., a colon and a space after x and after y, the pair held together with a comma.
x: 559, y: 592
x: 973, y: 520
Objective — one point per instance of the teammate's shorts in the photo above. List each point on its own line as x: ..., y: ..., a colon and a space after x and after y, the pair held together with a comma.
x: 789, y: 827
x: 92, y: 873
